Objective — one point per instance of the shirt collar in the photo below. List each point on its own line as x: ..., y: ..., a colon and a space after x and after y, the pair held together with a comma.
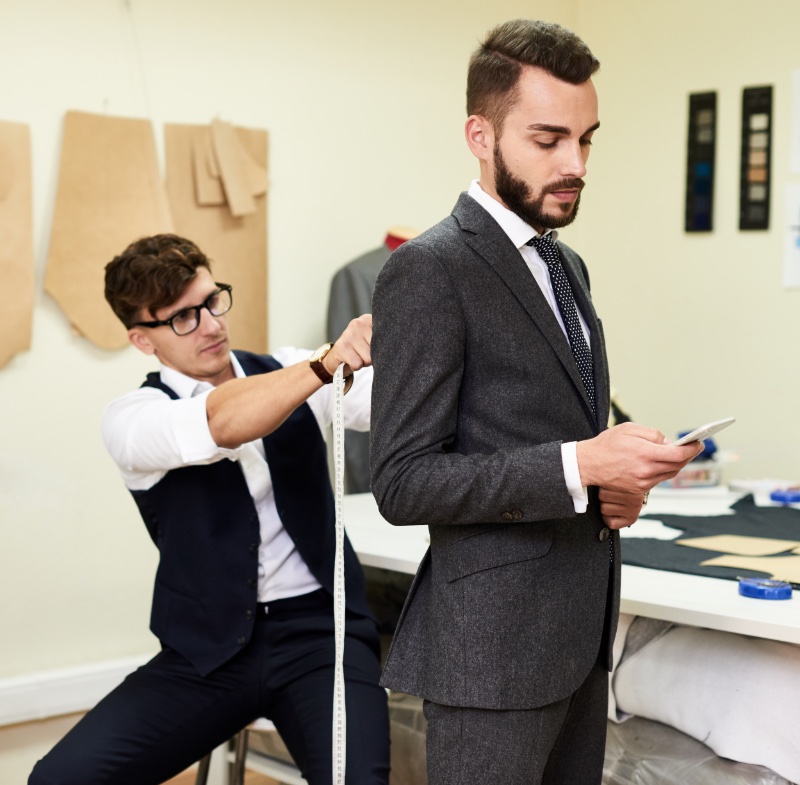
x: 515, y: 228
x: 187, y: 387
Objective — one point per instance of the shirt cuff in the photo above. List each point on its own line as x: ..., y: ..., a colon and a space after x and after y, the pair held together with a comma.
x: 191, y: 432
x: 572, y: 476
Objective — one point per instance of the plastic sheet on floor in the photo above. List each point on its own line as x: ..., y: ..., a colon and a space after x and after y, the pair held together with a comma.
x: 642, y: 752
x: 408, y: 726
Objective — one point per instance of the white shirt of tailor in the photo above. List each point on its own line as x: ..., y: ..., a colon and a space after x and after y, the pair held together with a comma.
x: 520, y: 233
x: 148, y: 434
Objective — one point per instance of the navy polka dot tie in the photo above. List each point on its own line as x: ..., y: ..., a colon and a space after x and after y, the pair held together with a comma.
x: 565, y: 298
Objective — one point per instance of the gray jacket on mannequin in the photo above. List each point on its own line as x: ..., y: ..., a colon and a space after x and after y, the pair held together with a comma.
x: 350, y: 296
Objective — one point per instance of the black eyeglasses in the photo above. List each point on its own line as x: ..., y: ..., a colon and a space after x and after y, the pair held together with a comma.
x: 219, y: 302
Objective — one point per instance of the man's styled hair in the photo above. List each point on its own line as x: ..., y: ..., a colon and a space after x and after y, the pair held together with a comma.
x: 496, y: 65
x: 151, y: 273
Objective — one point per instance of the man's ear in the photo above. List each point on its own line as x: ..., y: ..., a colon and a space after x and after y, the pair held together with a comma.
x: 480, y: 137
x: 141, y: 340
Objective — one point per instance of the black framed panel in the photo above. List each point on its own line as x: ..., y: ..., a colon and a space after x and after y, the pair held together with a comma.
x: 754, y: 178
x: 700, y: 152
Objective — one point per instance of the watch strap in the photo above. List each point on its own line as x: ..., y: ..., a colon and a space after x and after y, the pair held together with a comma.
x: 319, y: 368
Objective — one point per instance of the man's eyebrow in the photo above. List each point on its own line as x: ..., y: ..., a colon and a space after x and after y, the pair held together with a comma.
x: 559, y: 129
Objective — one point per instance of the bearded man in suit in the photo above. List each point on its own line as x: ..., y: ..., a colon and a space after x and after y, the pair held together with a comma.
x: 490, y: 406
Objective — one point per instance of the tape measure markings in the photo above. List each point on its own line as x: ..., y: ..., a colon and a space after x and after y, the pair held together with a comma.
x: 339, y: 713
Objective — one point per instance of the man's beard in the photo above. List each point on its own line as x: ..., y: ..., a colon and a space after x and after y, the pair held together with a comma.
x: 515, y: 193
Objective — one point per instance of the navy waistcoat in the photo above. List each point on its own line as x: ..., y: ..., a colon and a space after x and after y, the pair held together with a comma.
x: 204, y: 523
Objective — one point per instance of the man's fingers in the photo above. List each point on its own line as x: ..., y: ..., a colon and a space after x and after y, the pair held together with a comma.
x: 353, y: 346
x: 632, y: 429
x: 616, y: 496
x: 619, y: 523
x: 620, y: 508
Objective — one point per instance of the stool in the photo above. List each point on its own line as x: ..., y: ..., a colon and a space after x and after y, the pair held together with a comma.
x: 240, y: 757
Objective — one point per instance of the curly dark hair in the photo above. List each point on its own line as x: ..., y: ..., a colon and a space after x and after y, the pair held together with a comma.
x: 496, y: 65
x: 151, y: 273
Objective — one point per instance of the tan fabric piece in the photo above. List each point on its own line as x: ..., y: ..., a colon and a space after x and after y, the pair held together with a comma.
x: 740, y: 545
x: 110, y: 192
x: 16, y: 250
x: 237, y: 246
x: 207, y: 180
x: 782, y: 568
x: 231, y: 161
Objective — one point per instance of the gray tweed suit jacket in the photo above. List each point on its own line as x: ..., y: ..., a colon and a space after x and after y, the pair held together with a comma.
x: 475, y: 389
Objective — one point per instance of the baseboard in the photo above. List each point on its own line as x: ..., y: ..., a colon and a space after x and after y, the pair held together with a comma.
x: 38, y: 696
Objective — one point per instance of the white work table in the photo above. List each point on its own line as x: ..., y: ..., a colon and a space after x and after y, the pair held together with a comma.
x: 698, y: 601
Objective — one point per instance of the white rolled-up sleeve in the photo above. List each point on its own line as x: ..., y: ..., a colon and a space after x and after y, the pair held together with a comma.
x: 148, y: 434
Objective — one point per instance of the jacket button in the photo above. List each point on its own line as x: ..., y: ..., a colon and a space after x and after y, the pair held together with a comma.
x: 254, y: 547
x: 241, y: 640
x: 248, y: 614
x: 507, y: 516
x: 603, y: 536
x: 517, y: 515
x: 251, y: 582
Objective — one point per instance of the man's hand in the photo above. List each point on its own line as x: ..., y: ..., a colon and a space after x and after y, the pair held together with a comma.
x: 352, y: 347
x: 631, y: 458
x: 620, y: 509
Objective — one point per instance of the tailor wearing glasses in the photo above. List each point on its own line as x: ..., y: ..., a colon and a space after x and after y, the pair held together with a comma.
x: 224, y: 455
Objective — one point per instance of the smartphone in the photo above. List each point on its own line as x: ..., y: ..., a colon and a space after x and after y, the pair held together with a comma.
x: 704, y: 431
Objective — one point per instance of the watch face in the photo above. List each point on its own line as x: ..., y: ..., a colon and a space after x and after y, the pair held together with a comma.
x: 321, y: 352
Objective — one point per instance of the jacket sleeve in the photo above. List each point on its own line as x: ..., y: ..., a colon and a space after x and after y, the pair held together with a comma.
x: 420, y: 350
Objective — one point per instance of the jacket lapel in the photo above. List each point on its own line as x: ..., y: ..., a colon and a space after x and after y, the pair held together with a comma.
x: 486, y: 237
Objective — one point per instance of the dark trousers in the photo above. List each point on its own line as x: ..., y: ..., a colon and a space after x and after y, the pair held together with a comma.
x: 164, y: 716
x: 562, y: 743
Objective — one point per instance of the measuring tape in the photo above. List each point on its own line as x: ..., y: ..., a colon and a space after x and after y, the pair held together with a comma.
x: 339, y: 714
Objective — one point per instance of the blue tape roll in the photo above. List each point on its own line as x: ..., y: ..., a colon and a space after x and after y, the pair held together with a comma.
x: 765, y: 589
x: 785, y: 497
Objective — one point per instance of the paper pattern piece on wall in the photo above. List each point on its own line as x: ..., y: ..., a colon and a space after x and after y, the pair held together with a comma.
x: 782, y: 568
x: 110, y: 192
x: 207, y: 180
x: 16, y: 249
x: 740, y: 545
x: 214, y: 174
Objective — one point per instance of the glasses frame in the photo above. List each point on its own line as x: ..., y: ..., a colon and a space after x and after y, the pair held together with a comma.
x: 221, y: 287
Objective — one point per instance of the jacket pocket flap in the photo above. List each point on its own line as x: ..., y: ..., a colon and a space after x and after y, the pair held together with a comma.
x: 496, y: 548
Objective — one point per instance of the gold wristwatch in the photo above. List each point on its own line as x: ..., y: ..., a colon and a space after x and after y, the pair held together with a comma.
x: 322, y: 372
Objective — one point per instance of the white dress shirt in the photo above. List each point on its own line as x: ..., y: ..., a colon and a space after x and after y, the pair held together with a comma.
x: 520, y: 233
x: 148, y: 434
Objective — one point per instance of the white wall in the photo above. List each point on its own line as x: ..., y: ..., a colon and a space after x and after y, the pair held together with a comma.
x: 698, y: 325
